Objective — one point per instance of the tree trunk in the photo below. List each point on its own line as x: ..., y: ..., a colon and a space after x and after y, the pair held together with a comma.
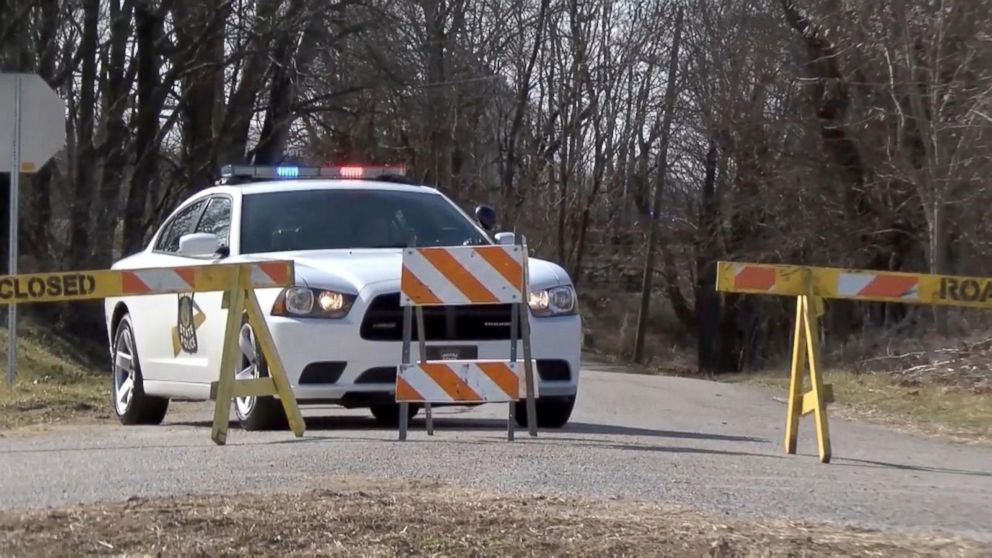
x: 521, y: 105
x: 287, y: 59
x: 114, y: 136
x: 237, y: 123
x: 84, y: 167
x: 148, y: 30
x: 199, y: 31
x: 707, y: 299
x: 644, y: 310
x: 939, y: 257
x: 270, y: 146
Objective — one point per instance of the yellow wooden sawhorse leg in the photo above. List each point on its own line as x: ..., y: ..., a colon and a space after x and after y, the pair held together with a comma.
x: 806, y: 351
x: 240, y: 298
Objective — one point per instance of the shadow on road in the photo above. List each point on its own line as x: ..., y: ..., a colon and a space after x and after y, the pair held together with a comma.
x: 848, y: 462
x: 610, y: 429
x: 448, y: 422
x: 577, y: 434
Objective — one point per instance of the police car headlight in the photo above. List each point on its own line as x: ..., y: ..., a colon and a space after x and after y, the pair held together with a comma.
x: 304, y: 302
x: 557, y: 301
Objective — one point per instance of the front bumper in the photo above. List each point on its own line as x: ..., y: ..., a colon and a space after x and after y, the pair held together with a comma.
x: 329, y: 361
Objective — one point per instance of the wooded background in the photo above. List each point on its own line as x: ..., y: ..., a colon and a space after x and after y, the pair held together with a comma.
x: 833, y: 132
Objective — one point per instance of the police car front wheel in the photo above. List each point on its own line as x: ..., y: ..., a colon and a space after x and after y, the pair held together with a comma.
x: 388, y: 414
x: 552, y: 412
x: 255, y: 412
x: 128, y: 398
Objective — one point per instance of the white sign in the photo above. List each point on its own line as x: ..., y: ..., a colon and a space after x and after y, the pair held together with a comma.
x: 42, y: 121
x: 32, y: 129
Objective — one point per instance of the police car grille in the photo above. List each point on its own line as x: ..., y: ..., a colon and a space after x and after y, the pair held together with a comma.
x: 384, y: 321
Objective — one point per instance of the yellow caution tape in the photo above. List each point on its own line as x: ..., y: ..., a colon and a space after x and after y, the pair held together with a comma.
x: 88, y: 285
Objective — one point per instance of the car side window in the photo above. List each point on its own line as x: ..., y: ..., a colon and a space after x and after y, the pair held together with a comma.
x: 217, y: 219
x: 181, y: 224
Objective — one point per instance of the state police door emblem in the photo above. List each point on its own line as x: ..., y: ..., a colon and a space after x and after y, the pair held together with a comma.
x: 186, y: 324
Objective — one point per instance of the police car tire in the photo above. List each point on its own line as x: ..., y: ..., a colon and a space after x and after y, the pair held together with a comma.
x: 552, y: 412
x: 388, y: 414
x: 267, y: 412
x: 143, y: 408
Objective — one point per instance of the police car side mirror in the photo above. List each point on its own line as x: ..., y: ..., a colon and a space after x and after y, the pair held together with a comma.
x: 506, y: 238
x: 198, y: 245
x: 486, y: 216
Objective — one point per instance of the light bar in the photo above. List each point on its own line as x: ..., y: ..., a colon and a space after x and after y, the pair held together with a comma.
x: 353, y: 172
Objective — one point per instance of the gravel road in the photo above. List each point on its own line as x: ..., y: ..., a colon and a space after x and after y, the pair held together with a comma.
x: 695, y: 444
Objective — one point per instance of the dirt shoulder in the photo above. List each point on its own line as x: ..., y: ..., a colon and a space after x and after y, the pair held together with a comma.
x: 418, y: 518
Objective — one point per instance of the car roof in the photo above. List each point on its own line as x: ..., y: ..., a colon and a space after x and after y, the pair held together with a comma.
x: 290, y: 185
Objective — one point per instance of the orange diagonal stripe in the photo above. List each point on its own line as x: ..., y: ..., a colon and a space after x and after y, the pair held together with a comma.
x: 460, y: 277
x: 447, y: 380
x: 504, y: 263
x: 131, y: 283
x: 888, y: 286
x: 405, y: 392
x: 187, y: 275
x: 755, y: 278
x: 502, y: 376
x: 414, y: 288
x: 276, y: 271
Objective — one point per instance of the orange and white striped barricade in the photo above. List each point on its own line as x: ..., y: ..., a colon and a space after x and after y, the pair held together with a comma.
x: 465, y: 276
x: 811, y: 286
x: 238, y: 281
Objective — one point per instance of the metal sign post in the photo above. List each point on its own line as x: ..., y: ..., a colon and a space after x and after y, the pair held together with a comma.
x: 32, y: 129
x: 15, y: 175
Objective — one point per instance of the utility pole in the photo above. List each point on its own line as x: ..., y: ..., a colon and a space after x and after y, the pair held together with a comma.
x: 666, y: 134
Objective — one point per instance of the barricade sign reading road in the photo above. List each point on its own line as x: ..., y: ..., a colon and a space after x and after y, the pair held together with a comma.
x: 810, y: 286
x: 464, y: 276
x: 238, y: 281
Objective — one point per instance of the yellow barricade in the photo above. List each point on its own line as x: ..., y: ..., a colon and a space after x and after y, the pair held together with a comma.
x: 855, y: 284
x: 810, y: 286
x: 238, y: 281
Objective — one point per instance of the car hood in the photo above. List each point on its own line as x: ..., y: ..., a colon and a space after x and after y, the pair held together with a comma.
x: 354, y: 270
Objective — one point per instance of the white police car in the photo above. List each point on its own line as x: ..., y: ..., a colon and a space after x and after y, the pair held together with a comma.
x: 339, y: 329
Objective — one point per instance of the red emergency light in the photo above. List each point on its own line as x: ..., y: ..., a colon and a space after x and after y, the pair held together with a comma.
x: 352, y: 172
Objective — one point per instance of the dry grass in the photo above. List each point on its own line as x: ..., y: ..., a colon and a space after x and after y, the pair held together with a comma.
x: 428, y: 519
x: 963, y: 361
x: 930, y: 408
x: 52, y: 383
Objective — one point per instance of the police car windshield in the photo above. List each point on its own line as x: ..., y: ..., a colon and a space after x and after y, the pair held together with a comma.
x: 354, y: 218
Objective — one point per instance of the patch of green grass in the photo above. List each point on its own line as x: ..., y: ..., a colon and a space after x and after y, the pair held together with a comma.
x: 926, y: 408
x: 437, y: 544
x: 53, y: 384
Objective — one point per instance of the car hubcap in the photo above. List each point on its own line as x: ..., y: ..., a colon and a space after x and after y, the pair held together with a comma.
x: 124, y: 376
x: 248, y: 369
